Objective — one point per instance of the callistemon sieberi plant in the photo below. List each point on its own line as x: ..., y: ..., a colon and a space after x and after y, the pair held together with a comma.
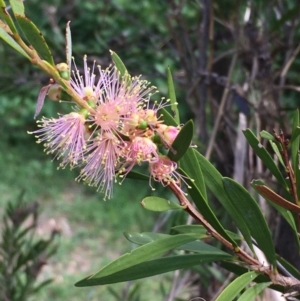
x: 115, y: 124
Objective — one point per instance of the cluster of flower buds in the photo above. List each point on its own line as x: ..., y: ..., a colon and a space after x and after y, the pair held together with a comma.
x: 120, y: 128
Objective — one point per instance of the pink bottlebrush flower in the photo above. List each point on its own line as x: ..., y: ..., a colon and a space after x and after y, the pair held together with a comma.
x: 118, y: 100
x: 101, y: 162
x: 130, y: 93
x: 85, y: 85
x: 164, y: 171
x: 140, y: 149
x: 63, y: 136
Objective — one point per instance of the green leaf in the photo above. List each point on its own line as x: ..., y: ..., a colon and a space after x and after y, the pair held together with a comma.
x: 144, y: 253
x: 250, y: 212
x: 5, y: 16
x: 35, y: 38
x: 182, y: 142
x: 68, y: 46
x: 233, y: 289
x: 287, y: 215
x: 189, y: 164
x: 152, y: 267
x: 172, y: 96
x: 253, y: 291
x: 205, y: 209
x: 11, y: 42
x: 119, y: 64
x: 266, y: 135
x: 274, y: 143
x: 277, y: 152
x: 201, y: 231
x: 214, y: 181
x: 17, y: 7
x: 137, y: 176
x: 263, y: 154
x: 154, y: 203
x: 166, y: 117
x: 295, y: 145
x: 121, y: 68
x: 194, y: 246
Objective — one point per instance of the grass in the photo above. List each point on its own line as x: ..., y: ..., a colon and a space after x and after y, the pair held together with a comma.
x: 92, y: 229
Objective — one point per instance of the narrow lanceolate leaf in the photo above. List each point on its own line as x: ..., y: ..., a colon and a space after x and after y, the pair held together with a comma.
x: 11, y: 42
x: 194, y: 246
x: 166, y: 117
x: 158, y: 204
x: 153, y: 267
x: 204, y: 208
x: 68, y: 45
x: 249, y: 210
x: 267, y: 135
x: 192, y: 168
x: 265, y: 191
x: 35, y: 38
x: 119, y: 63
x: 214, y: 181
x: 275, y: 145
x: 144, y: 253
x: 121, y: 67
x: 17, y: 7
x: 295, y: 145
x: 234, y: 288
x: 296, y: 126
x: 253, y: 291
x: 263, y: 154
x: 276, y: 198
x: 5, y: 16
x: 182, y: 142
x: 172, y: 96
x: 277, y: 152
x: 137, y: 176
x: 283, y: 206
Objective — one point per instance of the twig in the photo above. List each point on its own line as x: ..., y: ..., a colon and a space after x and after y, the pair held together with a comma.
x: 289, y: 169
x: 254, y: 264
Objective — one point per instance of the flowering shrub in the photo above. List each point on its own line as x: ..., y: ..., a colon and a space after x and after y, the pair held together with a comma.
x: 114, y: 126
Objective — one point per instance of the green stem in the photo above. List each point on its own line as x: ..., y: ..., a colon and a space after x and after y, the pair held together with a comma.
x: 51, y: 70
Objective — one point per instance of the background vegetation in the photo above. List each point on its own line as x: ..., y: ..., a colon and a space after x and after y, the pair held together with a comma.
x: 228, y: 58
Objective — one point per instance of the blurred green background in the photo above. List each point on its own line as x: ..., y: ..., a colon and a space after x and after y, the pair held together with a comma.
x: 196, y: 39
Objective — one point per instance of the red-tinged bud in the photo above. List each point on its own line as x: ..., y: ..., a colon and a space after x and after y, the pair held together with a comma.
x: 167, y: 133
x: 56, y: 93
x: 170, y: 133
x: 63, y: 70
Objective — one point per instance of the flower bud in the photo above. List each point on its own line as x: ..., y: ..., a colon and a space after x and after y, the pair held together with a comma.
x: 169, y: 134
x: 63, y: 70
x: 56, y: 92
